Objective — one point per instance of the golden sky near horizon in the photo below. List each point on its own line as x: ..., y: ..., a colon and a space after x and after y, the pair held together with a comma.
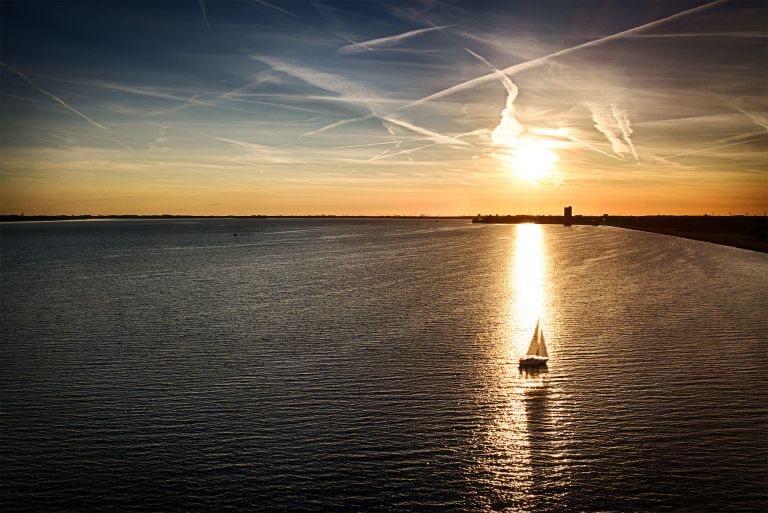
x: 375, y: 108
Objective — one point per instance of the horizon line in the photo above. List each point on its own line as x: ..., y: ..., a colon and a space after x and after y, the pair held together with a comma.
x: 352, y: 216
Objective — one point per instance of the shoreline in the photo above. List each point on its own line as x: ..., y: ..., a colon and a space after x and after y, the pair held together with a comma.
x: 722, y: 239
x: 13, y: 218
x: 744, y: 232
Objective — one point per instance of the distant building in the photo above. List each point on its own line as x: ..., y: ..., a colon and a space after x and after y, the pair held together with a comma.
x: 568, y: 216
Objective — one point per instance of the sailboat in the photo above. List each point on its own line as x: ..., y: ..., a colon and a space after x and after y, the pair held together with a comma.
x: 537, y: 352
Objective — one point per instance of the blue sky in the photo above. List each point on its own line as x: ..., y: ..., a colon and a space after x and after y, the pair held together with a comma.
x: 438, y: 107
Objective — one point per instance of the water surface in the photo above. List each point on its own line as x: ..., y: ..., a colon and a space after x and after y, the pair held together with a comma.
x: 371, y: 365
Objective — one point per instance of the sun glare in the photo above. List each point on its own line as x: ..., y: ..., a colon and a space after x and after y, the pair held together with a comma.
x: 531, y: 160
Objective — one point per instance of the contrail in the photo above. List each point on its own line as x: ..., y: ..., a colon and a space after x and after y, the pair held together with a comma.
x: 615, y: 126
x: 710, y: 148
x: 362, y: 46
x: 384, y: 153
x: 52, y: 96
x: 267, y: 4
x: 247, y: 145
x: 204, y: 12
x: 411, y: 150
x: 374, y: 144
x: 508, y: 84
x: 622, y: 119
x: 338, y: 124
x: 755, y: 118
x: 438, y: 138
x: 350, y: 91
x: 557, y: 133
x: 509, y: 128
x: 517, y: 68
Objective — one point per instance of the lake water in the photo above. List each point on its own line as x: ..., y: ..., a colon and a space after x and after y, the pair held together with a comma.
x: 371, y: 365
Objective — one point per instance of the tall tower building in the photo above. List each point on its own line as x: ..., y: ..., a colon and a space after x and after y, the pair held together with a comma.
x: 567, y: 216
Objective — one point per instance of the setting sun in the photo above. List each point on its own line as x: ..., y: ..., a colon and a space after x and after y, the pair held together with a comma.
x: 533, y: 161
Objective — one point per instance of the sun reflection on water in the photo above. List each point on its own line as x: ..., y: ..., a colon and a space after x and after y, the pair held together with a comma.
x: 528, y: 285
x: 518, y: 424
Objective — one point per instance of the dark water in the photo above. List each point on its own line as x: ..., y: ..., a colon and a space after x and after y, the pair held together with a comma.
x: 369, y: 365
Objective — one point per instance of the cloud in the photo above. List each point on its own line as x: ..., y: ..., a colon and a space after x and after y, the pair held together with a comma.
x: 371, y: 44
x: 608, y: 125
x: 755, y: 118
x: 622, y: 121
x: 322, y: 79
x: 161, y: 141
x: 509, y: 128
x: 523, y: 66
x: 52, y: 96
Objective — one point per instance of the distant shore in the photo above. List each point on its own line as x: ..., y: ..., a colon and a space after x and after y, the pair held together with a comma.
x: 85, y: 217
x: 746, y: 232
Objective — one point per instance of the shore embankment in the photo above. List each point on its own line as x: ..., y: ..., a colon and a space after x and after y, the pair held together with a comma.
x: 746, y: 232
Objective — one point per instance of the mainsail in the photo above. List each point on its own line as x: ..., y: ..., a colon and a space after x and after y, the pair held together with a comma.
x: 533, y: 348
x: 542, y: 349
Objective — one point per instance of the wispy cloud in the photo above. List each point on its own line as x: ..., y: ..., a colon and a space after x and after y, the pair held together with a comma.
x: 371, y: 44
x: 52, y: 96
x: 622, y: 121
x: 330, y: 82
x: 757, y: 119
x: 607, y: 123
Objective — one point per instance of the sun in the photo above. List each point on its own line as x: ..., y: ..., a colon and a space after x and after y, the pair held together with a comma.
x: 532, y: 160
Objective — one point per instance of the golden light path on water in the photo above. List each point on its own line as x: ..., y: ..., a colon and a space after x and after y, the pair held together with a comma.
x: 524, y: 413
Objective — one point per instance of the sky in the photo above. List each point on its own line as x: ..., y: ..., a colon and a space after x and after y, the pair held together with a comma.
x: 434, y: 107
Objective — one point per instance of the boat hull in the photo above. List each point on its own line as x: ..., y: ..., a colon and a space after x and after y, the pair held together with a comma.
x: 533, y: 361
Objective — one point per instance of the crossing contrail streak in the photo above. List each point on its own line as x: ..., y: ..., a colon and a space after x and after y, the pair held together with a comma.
x: 524, y: 66
x: 52, y: 96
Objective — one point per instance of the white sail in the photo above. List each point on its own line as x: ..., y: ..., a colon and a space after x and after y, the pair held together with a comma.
x: 542, y: 349
x: 533, y: 348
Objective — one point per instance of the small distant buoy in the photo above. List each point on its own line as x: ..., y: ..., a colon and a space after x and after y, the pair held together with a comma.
x: 234, y: 235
